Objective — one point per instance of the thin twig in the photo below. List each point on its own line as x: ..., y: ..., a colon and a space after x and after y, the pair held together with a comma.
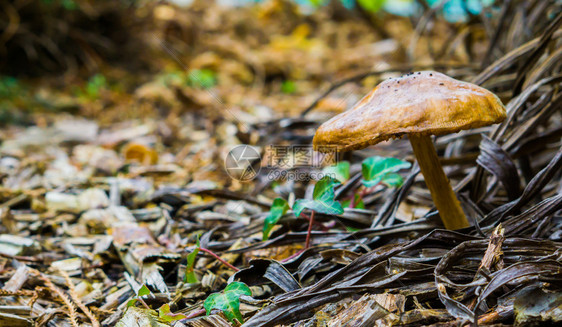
x: 307, y: 243
x: 20, y: 258
x: 194, y: 314
x: 221, y: 260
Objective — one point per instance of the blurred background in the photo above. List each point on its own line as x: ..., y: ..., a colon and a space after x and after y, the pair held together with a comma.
x: 201, y: 75
x: 86, y: 57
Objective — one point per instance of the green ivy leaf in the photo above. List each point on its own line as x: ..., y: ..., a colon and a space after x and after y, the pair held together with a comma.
x: 375, y: 168
x: 143, y: 291
x: 371, y: 6
x: 392, y: 180
x: 324, y: 188
x: 228, y: 301
x: 190, y: 276
x: 278, y: 209
x: 166, y: 315
x: 322, y: 199
x: 340, y: 171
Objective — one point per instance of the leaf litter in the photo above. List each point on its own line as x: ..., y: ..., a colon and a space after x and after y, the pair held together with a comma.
x: 121, y: 217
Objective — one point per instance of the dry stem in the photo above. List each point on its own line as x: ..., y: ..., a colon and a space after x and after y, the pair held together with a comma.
x: 76, y: 299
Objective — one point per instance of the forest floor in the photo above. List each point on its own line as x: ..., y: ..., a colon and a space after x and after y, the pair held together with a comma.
x: 120, y: 206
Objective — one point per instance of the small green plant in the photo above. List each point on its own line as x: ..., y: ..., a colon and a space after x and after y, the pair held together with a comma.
x: 143, y: 291
x: 164, y: 312
x: 375, y: 170
x: 383, y: 170
x: 166, y: 315
x: 378, y: 170
x: 190, y: 276
x: 277, y: 210
x: 202, y: 78
x: 340, y: 171
x: 228, y: 301
x: 322, y: 201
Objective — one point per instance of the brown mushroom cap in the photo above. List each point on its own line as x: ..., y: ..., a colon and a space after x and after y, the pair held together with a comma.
x: 424, y: 103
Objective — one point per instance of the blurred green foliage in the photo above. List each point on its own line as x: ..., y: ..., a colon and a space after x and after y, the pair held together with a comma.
x: 10, y: 87
x: 371, y: 5
x: 95, y: 85
x: 459, y: 10
x: 171, y: 78
x: 20, y: 99
x: 93, y: 88
x: 66, y: 4
x: 202, y: 78
x: 288, y: 87
x: 452, y: 10
x: 12, y: 95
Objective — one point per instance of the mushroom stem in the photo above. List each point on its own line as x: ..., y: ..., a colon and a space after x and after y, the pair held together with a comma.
x: 444, y: 197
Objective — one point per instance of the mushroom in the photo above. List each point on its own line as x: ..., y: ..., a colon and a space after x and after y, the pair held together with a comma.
x: 419, y: 105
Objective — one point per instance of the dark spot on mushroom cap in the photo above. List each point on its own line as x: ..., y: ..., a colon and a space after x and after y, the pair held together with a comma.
x: 430, y: 74
x: 441, y: 84
x: 419, y: 73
